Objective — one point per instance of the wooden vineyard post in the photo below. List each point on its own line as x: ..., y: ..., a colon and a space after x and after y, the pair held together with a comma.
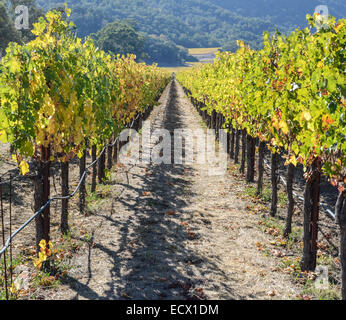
x: 82, y: 190
x: 261, y: 151
x: 237, y: 146
x: 232, y: 142
x: 218, y: 125
x: 274, y: 183
x: 311, y: 213
x: 102, y: 167
x: 222, y: 125
x: 64, y: 192
x: 209, y: 120
x: 94, y: 174
x: 140, y: 121
x: 41, y: 197
x: 205, y: 115
x: 3, y: 239
x: 115, y: 152
x: 38, y: 199
x: 340, y: 213
x: 198, y: 106
x: 243, y: 153
x: 213, y: 120
x: 251, y: 150
x: 46, y: 194
x: 290, y: 209
x: 228, y: 140
x: 109, y: 157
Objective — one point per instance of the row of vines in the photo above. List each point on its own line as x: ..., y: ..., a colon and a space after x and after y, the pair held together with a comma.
x: 289, y: 96
x: 61, y: 97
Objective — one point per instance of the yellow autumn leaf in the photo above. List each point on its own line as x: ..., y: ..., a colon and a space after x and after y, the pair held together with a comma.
x: 14, y: 65
x: 67, y: 10
x: 38, y: 264
x: 338, y: 27
x: 24, y: 167
x: 3, y: 136
x: 292, y: 160
x: 13, y: 288
x: 306, y: 115
x: 283, y: 126
x: 42, y: 256
x: 42, y: 244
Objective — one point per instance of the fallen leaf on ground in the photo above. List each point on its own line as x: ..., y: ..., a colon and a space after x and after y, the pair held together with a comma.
x: 278, y: 253
x: 271, y: 293
x: 192, y: 235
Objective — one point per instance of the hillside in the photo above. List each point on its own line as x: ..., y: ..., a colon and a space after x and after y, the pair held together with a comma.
x: 197, y: 23
x: 190, y: 23
x: 169, y: 26
x: 284, y: 14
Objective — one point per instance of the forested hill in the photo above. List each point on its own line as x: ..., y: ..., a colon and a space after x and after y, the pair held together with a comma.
x: 190, y: 23
x: 284, y: 14
x: 197, y: 23
x: 160, y: 30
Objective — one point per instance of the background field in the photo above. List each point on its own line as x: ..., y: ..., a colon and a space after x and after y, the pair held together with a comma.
x: 194, y: 51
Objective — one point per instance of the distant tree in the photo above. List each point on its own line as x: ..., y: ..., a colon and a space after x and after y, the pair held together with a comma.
x: 120, y: 38
x: 165, y: 52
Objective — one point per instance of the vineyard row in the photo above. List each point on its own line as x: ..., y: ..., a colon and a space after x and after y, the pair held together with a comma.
x: 60, y: 97
x: 289, y: 96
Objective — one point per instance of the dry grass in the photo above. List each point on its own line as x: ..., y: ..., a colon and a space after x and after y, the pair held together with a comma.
x: 178, y: 69
x: 175, y: 69
x: 202, y: 50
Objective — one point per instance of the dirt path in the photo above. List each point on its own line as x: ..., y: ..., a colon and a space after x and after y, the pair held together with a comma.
x: 172, y: 232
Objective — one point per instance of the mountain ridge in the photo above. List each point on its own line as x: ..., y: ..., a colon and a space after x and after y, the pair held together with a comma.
x: 197, y: 23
